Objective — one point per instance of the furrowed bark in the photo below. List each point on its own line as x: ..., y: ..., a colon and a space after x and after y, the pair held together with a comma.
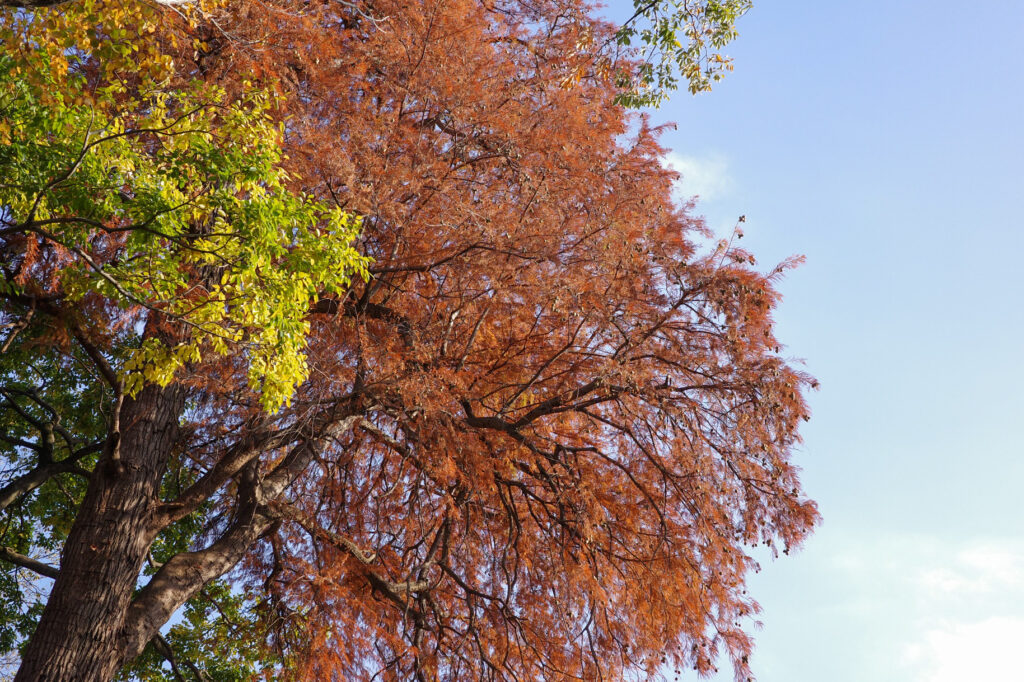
x: 79, y: 633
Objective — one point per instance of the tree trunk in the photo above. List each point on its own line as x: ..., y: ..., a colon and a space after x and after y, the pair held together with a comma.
x: 79, y: 636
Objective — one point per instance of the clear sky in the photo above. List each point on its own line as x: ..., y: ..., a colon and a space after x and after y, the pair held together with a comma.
x: 883, y: 141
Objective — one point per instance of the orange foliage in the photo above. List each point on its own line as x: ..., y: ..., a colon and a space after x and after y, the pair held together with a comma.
x: 573, y: 424
x: 564, y: 426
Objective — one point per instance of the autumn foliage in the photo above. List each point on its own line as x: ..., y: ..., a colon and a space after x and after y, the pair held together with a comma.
x: 537, y: 441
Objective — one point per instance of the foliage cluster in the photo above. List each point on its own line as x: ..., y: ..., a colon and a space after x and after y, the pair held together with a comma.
x: 679, y: 39
x: 143, y: 186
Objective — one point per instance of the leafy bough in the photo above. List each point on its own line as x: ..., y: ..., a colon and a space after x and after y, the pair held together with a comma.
x: 176, y: 206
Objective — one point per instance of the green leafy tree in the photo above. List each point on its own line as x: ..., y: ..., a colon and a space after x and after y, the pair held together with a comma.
x: 678, y: 40
x: 175, y: 184
x: 171, y: 204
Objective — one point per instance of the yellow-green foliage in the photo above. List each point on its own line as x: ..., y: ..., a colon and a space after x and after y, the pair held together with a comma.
x: 185, y: 186
x: 677, y: 40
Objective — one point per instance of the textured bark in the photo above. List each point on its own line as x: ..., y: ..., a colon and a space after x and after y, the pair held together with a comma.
x: 79, y: 633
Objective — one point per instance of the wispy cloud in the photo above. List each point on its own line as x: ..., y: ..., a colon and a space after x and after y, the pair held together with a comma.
x: 978, y: 570
x: 894, y: 607
x: 970, y: 617
x: 706, y: 177
x: 955, y: 651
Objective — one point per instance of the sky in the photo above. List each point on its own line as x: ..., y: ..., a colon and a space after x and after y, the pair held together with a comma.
x: 883, y: 142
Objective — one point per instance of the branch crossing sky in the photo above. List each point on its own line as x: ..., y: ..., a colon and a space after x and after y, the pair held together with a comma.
x: 883, y: 141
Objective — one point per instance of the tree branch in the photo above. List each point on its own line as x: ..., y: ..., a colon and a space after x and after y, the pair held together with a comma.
x: 396, y: 592
x: 41, y: 474
x: 43, y: 569
x: 163, y: 647
x: 183, y: 575
x: 226, y: 467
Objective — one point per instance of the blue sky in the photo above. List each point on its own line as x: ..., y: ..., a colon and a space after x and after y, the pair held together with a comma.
x: 883, y: 142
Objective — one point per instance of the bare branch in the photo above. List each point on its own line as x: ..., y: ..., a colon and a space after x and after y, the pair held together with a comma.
x: 43, y: 569
x: 41, y: 474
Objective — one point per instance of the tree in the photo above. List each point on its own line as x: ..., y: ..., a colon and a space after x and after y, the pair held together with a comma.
x: 532, y: 436
x: 680, y: 38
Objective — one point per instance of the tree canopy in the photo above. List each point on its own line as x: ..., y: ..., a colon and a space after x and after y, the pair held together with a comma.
x: 369, y: 339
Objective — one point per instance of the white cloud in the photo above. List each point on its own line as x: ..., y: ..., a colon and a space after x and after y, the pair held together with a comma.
x: 938, y: 573
x: 978, y: 569
x: 954, y: 652
x: 892, y: 607
x: 706, y: 177
x: 955, y: 611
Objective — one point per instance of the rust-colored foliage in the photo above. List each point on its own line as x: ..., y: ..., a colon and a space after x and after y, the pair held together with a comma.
x: 539, y: 442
